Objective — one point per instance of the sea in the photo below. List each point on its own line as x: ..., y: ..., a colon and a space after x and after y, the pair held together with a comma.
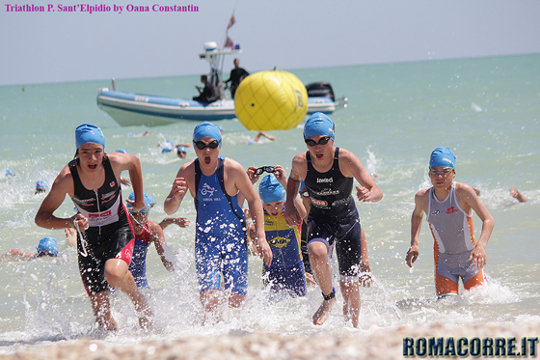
x: 487, y: 110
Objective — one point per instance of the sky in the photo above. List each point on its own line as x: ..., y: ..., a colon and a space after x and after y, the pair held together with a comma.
x: 288, y: 34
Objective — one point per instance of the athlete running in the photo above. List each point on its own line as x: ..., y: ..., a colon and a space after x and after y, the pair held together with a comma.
x: 105, y: 238
x: 146, y: 232
x: 449, y: 207
x: 328, y: 173
x: 220, y: 240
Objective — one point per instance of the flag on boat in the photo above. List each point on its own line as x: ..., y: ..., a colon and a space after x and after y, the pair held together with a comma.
x: 228, y: 43
x: 231, y: 22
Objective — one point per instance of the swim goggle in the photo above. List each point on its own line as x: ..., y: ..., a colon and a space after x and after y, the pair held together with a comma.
x: 444, y: 172
x: 322, y: 141
x: 201, y: 145
x: 268, y: 169
x: 45, y: 253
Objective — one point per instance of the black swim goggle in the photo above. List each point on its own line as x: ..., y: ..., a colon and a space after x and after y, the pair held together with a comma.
x: 201, y: 145
x: 322, y: 141
x: 268, y: 169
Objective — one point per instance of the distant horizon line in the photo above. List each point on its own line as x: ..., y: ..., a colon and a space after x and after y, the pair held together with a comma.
x: 284, y: 69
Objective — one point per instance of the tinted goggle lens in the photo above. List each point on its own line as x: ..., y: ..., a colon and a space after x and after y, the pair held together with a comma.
x: 268, y: 169
x: 201, y: 145
x: 322, y: 141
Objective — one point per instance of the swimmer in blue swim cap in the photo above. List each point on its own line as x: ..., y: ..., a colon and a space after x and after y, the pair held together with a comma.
x: 41, y: 186
x: 329, y: 173
x: 215, y: 182
x: 46, y: 247
x: 448, y: 206
x: 146, y: 232
x: 92, y: 181
x: 286, y: 275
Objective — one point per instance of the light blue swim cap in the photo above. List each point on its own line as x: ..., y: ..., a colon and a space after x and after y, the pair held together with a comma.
x: 41, y: 185
x: 205, y: 129
x: 442, y: 157
x: 148, y: 201
x: 271, y: 190
x: 9, y: 172
x: 87, y: 133
x: 48, y: 244
x: 180, y: 149
x: 123, y: 151
x: 319, y: 124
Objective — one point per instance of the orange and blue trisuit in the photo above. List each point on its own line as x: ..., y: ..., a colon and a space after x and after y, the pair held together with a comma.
x: 452, y: 229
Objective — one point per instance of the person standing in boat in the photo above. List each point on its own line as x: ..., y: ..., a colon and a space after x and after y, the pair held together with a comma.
x: 328, y: 173
x: 207, y: 94
x: 237, y: 75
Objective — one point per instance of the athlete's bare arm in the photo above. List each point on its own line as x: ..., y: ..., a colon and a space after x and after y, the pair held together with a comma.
x: 184, y: 180
x: 298, y: 173
x: 468, y: 200
x: 351, y: 166
x: 62, y: 186
x: 420, y: 207
x: 131, y: 163
x: 236, y: 180
x: 159, y: 241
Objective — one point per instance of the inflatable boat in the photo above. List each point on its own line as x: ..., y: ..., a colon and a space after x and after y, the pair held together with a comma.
x: 132, y: 109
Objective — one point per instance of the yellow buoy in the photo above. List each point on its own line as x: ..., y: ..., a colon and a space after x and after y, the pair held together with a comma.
x: 271, y: 100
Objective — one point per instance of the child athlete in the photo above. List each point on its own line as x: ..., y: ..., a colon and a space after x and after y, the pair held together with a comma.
x: 449, y: 207
x: 286, y: 274
x: 214, y: 183
x: 146, y: 232
x: 105, y: 241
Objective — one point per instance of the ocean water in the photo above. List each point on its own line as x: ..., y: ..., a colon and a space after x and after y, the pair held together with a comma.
x: 486, y: 109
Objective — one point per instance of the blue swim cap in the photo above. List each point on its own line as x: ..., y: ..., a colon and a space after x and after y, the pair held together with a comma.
x: 442, y: 157
x: 148, y: 201
x: 123, y: 151
x: 41, y: 185
x: 166, y: 149
x: 180, y: 149
x: 205, y: 129
x: 271, y: 190
x: 9, y: 172
x: 87, y: 133
x: 48, y: 244
x: 319, y: 124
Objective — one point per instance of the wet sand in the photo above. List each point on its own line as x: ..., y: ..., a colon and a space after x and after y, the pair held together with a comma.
x: 384, y: 343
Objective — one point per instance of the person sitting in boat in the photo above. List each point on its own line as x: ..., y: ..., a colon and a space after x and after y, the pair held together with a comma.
x: 237, y: 75
x: 208, y: 94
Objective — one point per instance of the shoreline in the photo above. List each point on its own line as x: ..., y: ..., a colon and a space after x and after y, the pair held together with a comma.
x: 383, y: 343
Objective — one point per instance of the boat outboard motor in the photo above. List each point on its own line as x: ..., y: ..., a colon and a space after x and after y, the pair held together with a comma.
x: 320, y: 89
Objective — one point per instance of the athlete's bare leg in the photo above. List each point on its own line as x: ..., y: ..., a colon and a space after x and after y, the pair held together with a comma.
x: 318, y: 258
x: 102, y: 310
x: 351, y: 300
x: 119, y: 277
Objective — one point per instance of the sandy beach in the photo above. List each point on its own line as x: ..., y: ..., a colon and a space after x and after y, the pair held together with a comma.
x: 384, y: 343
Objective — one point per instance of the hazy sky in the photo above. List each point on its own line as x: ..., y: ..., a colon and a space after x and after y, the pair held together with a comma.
x: 289, y: 34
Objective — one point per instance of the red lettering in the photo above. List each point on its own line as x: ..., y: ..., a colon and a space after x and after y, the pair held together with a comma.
x: 451, y: 210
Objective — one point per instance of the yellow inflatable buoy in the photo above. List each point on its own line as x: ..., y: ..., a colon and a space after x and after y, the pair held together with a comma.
x: 271, y: 100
